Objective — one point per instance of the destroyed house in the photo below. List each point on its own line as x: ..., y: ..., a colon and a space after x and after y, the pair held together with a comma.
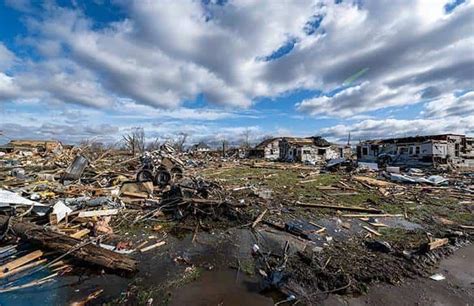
x: 200, y: 147
x: 268, y: 149
x: 32, y: 145
x: 310, y: 150
x: 430, y: 150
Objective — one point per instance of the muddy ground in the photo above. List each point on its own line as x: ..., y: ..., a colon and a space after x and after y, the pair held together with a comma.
x: 210, y: 261
x: 457, y: 289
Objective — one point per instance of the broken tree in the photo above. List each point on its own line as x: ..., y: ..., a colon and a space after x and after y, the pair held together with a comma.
x: 87, y: 252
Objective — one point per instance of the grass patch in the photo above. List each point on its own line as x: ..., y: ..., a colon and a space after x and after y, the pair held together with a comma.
x: 247, y: 266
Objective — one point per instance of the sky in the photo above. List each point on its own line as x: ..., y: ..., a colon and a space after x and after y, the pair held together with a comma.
x: 74, y: 70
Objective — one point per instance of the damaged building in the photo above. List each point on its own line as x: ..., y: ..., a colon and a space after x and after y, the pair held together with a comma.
x: 200, y: 147
x: 268, y: 149
x: 32, y: 145
x: 429, y: 150
x: 311, y: 150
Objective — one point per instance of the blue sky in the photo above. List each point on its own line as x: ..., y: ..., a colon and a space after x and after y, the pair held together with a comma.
x: 78, y: 70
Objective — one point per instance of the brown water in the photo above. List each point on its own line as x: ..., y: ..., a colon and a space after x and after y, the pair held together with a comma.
x: 226, y: 287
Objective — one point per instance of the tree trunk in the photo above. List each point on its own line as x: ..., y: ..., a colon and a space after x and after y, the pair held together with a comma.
x: 55, y: 241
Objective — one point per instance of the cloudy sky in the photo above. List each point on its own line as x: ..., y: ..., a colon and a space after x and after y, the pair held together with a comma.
x: 212, y: 69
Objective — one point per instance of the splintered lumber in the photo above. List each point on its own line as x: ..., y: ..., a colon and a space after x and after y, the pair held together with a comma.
x: 20, y: 261
x: 378, y: 224
x: 151, y: 247
x: 259, y: 218
x: 351, y: 208
x: 372, y: 231
x: 97, y: 213
x: 89, y: 298
x: 372, y: 181
x: 30, y: 284
x: 65, y: 244
x: 135, y: 194
x: 321, y: 228
x: 22, y: 268
x: 81, y: 233
x: 437, y: 243
x: 370, y: 215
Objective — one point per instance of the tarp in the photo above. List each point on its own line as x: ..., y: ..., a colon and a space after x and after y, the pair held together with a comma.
x: 8, y: 198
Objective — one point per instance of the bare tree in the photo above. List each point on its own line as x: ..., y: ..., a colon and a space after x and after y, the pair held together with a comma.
x: 135, y: 140
x: 224, y: 147
x: 246, y: 138
x: 180, y: 141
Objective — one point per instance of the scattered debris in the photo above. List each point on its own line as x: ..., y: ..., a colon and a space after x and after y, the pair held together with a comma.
x: 324, y: 225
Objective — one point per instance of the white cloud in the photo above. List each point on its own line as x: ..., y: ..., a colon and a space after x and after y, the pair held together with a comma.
x: 7, y: 58
x: 373, y: 129
x: 168, y: 52
x: 451, y: 106
x: 165, y: 54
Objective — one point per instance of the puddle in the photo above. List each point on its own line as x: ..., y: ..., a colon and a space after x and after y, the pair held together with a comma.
x: 227, y: 287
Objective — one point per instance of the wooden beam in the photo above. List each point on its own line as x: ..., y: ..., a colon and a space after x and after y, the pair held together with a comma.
x: 20, y: 261
x: 22, y: 268
x: 97, y: 213
x: 81, y: 233
x: 370, y: 215
x: 151, y: 247
x: 351, y: 208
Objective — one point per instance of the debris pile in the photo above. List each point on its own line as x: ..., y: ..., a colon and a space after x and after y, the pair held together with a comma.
x: 317, y: 230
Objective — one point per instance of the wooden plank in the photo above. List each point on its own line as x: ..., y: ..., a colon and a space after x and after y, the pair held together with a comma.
x: 22, y: 268
x: 370, y: 215
x: 97, y: 213
x: 372, y: 231
x: 437, y: 243
x: 20, y: 261
x: 378, y: 224
x: 81, y: 233
x: 143, y: 195
x: 30, y: 284
x: 372, y: 181
x: 351, y: 208
x: 318, y: 231
x: 151, y: 247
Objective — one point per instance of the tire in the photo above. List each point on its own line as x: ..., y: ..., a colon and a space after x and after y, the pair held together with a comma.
x: 162, y: 178
x: 144, y: 176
